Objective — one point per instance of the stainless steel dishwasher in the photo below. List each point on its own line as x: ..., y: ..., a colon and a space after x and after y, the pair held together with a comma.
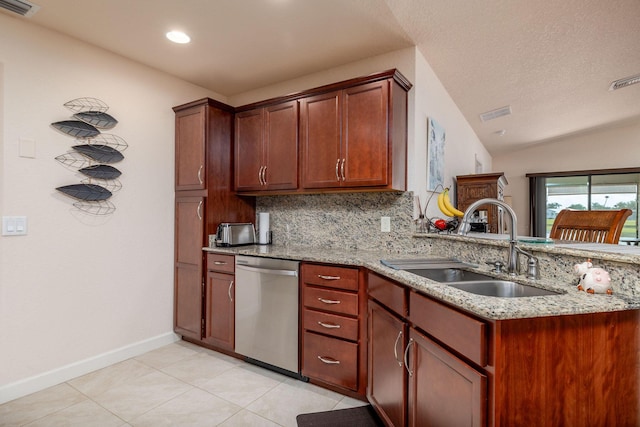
x: 266, y: 329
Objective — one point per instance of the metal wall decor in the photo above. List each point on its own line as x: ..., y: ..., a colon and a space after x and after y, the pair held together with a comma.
x: 92, y: 154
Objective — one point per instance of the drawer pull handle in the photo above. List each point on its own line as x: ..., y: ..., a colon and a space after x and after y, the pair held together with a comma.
x: 337, y: 169
x: 329, y: 360
x: 329, y: 301
x: 199, y: 210
x: 395, y: 349
x: 329, y: 277
x: 329, y: 325
x: 406, y: 357
x: 219, y: 263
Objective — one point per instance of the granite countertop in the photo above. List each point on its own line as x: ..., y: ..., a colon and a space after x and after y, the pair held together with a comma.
x: 570, y: 301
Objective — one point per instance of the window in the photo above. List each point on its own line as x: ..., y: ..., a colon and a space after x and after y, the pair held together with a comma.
x: 584, y: 190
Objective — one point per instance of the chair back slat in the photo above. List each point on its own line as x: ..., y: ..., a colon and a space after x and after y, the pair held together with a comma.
x: 598, y: 226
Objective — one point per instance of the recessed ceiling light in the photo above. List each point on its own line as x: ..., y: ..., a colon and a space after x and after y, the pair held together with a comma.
x: 178, y: 37
x: 500, y: 132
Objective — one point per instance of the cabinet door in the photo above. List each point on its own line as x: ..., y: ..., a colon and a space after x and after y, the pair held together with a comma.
x: 190, y: 149
x: 365, y: 135
x: 188, y: 266
x: 281, y: 146
x: 219, y: 310
x: 249, y: 160
x: 443, y: 390
x: 387, y: 383
x: 320, y: 135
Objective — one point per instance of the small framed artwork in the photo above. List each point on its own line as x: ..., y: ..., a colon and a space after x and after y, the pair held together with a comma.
x: 435, y: 154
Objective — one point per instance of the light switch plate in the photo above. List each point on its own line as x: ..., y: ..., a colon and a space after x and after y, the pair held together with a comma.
x: 14, y: 225
x: 385, y: 224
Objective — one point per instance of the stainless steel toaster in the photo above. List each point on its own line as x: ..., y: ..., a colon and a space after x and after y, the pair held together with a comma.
x: 235, y: 234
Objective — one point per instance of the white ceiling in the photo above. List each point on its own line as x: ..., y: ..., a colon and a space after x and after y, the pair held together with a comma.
x: 552, y: 61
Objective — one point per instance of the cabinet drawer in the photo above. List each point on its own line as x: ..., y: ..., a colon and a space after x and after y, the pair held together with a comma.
x: 462, y: 333
x: 331, y: 324
x: 330, y: 276
x: 331, y: 360
x: 387, y: 293
x: 330, y: 300
x: 221, y: 263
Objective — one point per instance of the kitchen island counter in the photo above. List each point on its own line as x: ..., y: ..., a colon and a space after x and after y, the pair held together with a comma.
x: 570, y: 302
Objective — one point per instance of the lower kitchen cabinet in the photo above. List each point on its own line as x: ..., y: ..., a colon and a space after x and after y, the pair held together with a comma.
x: 463, y: 370
x: 189, y: 226
x: 414, y: 380
x: 333, y: 351
x: 443, y: 390
x: 387, y: 389
x: 219, y: 318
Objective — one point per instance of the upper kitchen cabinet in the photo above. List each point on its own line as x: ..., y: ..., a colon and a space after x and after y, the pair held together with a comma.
x: 352, y: 137
x: 348, y: 138
x: 266, y: 148
x: 190, y: 148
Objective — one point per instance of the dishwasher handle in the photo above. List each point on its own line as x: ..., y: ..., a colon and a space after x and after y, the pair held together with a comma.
x: 261, y: 270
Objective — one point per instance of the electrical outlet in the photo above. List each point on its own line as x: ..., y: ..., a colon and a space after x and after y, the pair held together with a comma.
x: 385, y: 224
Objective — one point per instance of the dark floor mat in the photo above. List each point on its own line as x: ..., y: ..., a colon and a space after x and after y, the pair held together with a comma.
x: 362, y: 416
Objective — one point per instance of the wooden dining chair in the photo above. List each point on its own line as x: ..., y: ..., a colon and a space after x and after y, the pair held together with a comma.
x: 599, y: 226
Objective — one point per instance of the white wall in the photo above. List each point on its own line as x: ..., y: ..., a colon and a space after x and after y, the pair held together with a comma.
x: 81, y: 290
x: 607, y: 148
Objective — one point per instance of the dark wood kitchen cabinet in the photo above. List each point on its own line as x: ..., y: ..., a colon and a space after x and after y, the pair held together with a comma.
x: 415, y: 380
x: 188, y: 265
x: 204, y: 198
x: 219, y: 317
x: 465, y: 370
x: 355, y: 137
x: 334, y: 327
x: 470, y: 188
x: 266, y: 148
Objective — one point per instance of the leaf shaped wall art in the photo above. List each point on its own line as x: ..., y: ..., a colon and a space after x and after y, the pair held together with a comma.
x: 99, y: 153
x: 96, y: 118
x: 76, y: 128
x: 86, y: 104
x: 101, y: 172
x: 87, y: 192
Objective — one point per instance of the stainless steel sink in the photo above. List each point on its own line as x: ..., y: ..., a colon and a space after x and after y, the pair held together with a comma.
x: 447, y: 275
x: 501, y: 289
x: 457, y: 275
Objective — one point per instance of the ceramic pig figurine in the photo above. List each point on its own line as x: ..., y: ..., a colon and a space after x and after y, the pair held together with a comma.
x: 593, y: 280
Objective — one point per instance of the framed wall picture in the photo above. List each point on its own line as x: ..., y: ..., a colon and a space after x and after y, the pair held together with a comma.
x: 435, y: 154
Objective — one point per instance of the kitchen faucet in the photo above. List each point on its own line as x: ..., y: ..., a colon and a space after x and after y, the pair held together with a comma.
x: 512, y: 268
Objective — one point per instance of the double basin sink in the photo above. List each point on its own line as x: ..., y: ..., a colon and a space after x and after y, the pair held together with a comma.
x: 457, y: 275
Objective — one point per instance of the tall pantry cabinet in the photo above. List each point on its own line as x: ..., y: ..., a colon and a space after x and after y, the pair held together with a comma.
x: 204, y: 197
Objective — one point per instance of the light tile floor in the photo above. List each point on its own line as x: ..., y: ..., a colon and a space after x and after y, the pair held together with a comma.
x: 180, y: 384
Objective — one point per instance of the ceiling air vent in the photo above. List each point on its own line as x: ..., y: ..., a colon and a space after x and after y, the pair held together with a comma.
x: 628, y: 81
x: 494, y: 114
x: 21, y: 7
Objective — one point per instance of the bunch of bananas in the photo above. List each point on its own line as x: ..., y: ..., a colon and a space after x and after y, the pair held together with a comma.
x: 444, y: 203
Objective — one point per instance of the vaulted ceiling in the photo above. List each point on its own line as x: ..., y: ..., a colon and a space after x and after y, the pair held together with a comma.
x: 551, y: 61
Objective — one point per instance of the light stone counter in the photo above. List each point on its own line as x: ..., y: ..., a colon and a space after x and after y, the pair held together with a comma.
x: 570, y: 301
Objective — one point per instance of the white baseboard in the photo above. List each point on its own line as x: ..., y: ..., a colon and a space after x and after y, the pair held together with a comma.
x: 56, y: 376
